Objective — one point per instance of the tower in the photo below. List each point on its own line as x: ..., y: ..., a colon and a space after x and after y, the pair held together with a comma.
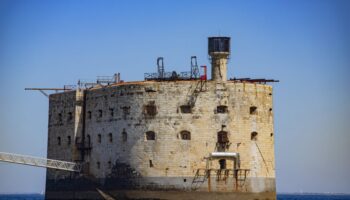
x: 219, y: 51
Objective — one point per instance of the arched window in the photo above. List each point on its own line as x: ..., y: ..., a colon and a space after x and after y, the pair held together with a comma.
x: 222, y: 163
x: 69, y: 140
x: 254, y: 136
x: 99, y: 138
x: 110, y: 136
x: 150, y: 135
x: 222, y: 137
x: 124, y: 136
x: 221, y: 109
x: 59, y: 141
x: 185, y: 135
x: 253, y: 110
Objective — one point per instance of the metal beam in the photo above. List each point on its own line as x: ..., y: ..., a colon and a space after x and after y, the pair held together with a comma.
x: 40, y: 162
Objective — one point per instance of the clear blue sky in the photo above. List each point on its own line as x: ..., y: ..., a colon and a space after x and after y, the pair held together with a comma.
x: 304, y: 44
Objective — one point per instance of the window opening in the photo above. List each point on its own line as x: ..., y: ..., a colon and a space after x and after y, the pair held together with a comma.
x: 253, y: 110
x: 254, y: 136
x: 59, y: 141
x: 185, y: 135
x: 150, y: 135
x: 110, y: 136
x: 222, y: 163
x: 99, y: 138
x: 69, y: 140
x: 221, y: 109
x: 124, y: 136
x: 150, y: 163
x: 186, y: 109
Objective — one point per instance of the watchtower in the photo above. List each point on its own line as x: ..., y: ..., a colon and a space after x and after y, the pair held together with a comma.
x: 219, y: 51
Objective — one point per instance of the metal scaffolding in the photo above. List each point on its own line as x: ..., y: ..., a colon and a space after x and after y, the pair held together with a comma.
x: 40, y: 162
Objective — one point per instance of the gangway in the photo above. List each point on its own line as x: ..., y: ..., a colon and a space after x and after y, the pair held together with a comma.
x: 40, y: 162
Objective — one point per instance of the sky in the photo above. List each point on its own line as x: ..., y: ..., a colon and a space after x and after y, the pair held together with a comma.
x: 303, y: 43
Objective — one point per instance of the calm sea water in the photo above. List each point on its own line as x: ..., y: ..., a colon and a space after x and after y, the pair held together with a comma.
x: 279, y: 197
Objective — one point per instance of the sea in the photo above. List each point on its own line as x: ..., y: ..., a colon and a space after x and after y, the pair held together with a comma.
x: 279, y: 197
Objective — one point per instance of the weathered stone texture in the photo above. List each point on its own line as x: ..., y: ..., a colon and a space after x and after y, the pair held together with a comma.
x: 118, y: 116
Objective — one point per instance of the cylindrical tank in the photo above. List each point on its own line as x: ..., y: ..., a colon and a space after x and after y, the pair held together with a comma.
x: 219, y: 50
x: 218, y: 45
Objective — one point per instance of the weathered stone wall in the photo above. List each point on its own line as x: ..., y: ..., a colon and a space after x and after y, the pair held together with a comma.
x: 118, y: 117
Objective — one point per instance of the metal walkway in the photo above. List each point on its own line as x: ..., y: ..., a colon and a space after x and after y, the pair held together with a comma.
x: 40, y: 162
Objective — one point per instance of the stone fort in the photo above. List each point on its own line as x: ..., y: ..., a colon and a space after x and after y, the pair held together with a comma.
x: 171, y: 136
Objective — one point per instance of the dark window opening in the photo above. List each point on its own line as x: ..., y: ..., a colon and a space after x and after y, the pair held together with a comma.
x: 59, y: 141
x: 88, y: 140
x: 98, y: 165
x: 254, y: 136
x: 99, y: 138
x: 185, y: 135
x: 222, y: 163
x: 150, y: 135
x: 253, y: 110
x: 124, y: 136
x: 109, y: 164
x: 110, y: 136
x: 70, y: 116
x: 60, y: 117
x: 185, y: 180
x: 270, y: 109
x: 271, y: 134
x: 126, y: 110
x: 69, y: 140
x: 89, y: 114
x: 186, y: 109
x: 150, y: 109
x: 150, y: 163
x: 222, y: 137
x: 111, y: 112
x: 100, y: 113
x: 221, y: 109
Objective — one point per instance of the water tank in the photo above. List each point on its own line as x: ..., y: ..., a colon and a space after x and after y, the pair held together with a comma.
x: 218, y: 45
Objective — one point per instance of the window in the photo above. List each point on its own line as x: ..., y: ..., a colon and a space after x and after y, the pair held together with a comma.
x: 88, y: 140
x: 150, y: 109
x: 221, y: 109
x: 270, y: 109
x: 124, y: 136
x: 253, y: 110
x: 222, y: 137
x: 109, y: 164
x: 89, y: 114
x: 98, y: 165
x: 100, y: 113
x: 222, y: 163
x: 59, y: 141
x: 186, y: 109
x: 60, y: 117
x: 70, y: 117
x: 111, y: 112
x: 271, y: 134
x: 254, y: 136
x: 110, y: 136
x: 69, y: 140
x: 99, y: 138
x: 185, y: 135
x: 150, y: 135
x: 150, y: 163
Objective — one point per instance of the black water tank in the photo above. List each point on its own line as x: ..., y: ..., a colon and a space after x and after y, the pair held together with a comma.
x: 219, y: 44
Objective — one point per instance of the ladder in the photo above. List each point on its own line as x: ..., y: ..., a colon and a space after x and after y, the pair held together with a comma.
x: 40, y: 162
